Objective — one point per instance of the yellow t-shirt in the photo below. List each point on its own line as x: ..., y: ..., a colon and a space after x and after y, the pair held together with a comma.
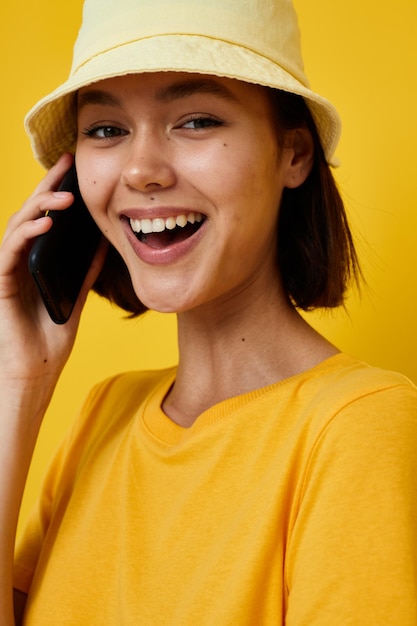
x: 294, y: 504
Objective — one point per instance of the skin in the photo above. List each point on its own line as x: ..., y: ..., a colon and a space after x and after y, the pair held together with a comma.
x: 209, y: 147
x: 147, y: 147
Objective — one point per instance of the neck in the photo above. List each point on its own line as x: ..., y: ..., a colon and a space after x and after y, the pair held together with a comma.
x: 245, y: 348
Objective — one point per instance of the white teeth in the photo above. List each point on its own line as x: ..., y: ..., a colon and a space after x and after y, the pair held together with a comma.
x: 181, y: 220
x: 159, y: 224
x: 146, y: 226
x: 171, y: 223
x: 135, y: 225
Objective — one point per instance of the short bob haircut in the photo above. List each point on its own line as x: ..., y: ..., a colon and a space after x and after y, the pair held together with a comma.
x: 316, y: 254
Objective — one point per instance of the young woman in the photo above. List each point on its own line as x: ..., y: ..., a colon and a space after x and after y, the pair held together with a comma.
x: 268, y: 478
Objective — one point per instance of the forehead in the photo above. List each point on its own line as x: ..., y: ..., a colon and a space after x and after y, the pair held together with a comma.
x: 167, y: 87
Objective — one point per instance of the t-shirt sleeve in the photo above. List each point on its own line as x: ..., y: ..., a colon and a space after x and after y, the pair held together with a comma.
x: 352, y: 552
x: 55, y: 487
x: 109, y: 405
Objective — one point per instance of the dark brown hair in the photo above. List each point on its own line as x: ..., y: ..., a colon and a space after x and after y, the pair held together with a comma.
x: 316, y: 255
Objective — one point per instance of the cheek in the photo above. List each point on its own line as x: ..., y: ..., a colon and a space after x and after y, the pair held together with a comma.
x: 253, y: 162
x: 253, y: 180
x: 227, y: 174
x: 96, y: 184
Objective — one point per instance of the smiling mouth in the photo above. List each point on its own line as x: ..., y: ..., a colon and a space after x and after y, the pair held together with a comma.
x: 161, y: 232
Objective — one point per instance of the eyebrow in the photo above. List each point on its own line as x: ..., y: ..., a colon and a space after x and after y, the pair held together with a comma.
x: 187, y: 88
x: 97, y: 96
x: 165, y: 95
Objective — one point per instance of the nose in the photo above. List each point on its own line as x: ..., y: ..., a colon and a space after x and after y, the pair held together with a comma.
x: 147, y: 165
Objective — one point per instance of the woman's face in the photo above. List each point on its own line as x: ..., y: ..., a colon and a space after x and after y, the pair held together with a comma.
x: 183, y: 174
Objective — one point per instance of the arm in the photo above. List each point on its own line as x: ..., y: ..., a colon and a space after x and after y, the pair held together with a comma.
x: 33, y: 352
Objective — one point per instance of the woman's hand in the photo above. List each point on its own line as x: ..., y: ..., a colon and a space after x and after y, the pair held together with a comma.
x: 33, y: 349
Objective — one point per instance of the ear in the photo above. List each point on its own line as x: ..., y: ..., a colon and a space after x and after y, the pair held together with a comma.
x: 299, y: 156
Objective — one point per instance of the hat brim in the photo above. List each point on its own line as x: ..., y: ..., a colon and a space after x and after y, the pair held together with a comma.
x: 51, y: 123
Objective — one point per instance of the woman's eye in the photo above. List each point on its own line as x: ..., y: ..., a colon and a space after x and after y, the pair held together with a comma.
x: 105, y: 132
x: 201, y: 122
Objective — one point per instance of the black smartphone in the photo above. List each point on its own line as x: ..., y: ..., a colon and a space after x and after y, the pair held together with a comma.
x: 59, y: 259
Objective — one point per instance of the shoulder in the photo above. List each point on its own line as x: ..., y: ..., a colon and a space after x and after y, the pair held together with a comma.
x: 346, y: 400
x: 344, y: 381
x: 129, y: 388
x: 358, y: 441
x: 113, y: 403
x: 363, y: 411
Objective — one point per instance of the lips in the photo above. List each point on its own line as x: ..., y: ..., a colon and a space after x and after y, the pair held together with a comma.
x: 160, y: 232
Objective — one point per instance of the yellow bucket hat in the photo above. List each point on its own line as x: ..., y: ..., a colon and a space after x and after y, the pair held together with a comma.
x: 255, y: 41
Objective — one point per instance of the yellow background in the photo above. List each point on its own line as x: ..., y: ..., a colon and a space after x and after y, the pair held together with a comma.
x: 362, y: 55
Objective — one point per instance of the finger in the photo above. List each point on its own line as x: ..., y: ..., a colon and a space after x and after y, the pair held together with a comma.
x: 54, y: 176
x: 16, y: 243
x: 37, y: 207
x: 45, y: 197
